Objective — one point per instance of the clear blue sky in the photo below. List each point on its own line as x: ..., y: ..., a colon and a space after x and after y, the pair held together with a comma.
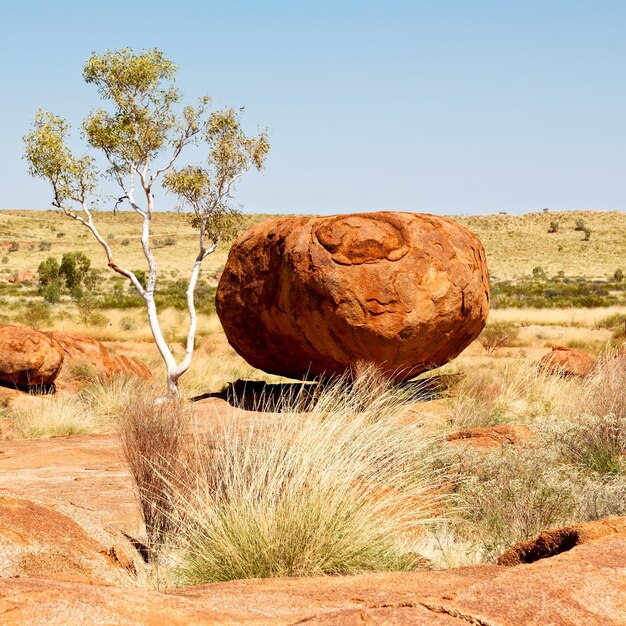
x: 437, y: 105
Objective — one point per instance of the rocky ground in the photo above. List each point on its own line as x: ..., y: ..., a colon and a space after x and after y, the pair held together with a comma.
x: 68, y: 511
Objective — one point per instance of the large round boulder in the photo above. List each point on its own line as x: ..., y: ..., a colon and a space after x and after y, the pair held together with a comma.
x: 28, y: 357
x: 316, y: 296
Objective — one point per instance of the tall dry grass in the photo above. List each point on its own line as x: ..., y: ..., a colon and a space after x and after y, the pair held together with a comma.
x: 347, y: 487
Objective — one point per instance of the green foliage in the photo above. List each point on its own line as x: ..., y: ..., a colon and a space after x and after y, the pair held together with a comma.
x: 44, y: 246
x: 554, y: 227
x: 36, y: 314
x: 164, y: 242
x: 48, y: 157
x: 74, y: 269
x: 498, y: 334
x: 538, y: 272
x: 618, y: 276
x: 556, y: 292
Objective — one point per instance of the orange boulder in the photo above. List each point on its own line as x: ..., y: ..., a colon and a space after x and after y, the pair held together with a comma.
x: 309, y: 296
x: 567, y: 362
x: 81, y: 350
x: 28, y: 357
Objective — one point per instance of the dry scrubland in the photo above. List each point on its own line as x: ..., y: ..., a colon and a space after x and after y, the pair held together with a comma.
x: 378, y: 486
x: 515, y: 244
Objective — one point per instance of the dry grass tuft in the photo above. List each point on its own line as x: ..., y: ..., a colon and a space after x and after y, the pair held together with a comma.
x: 345, y: 488
x: 55, y: 416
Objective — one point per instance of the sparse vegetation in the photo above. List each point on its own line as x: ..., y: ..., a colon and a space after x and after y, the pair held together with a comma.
x: 498, y: 334
x: 287, y: 495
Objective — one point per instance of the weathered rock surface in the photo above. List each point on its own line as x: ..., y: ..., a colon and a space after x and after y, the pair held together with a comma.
x: 23, y: 276
x: 584, y: 586
x: 492, y: 436
x: 557, y: 540
x: 84, y: 351
x: 28, y: 357
x: 36, y: 540
x: 130, y: 366
x: 303, y: 297
x: 563, y: 361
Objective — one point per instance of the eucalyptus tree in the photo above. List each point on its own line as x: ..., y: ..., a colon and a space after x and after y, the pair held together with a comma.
x: 143, y: 132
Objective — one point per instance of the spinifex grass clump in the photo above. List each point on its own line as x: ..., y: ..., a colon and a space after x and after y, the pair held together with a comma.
x: 343, y: 488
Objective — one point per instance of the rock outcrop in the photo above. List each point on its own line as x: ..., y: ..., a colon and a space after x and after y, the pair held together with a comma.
x: 312, y: 296
x: 28, y: 357
x: 84, y: 351
x: 586, y: 585
x: 557, y: 540
x: 566, y: 362
x: 36, y: 540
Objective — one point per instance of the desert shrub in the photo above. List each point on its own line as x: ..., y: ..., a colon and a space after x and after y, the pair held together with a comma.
x: 154, y: 443
x: 498, y: 334
x: 163, y: 242
x: 83, y: 371
x: 580, y: 225
x: 618, y: 276
x: 594, y: 443
x: 339, y: 490
x: 554, y: 227
x: 595, y: 436
x: 511, y: 495
x: 44, y: 246
x: 60, y: 235
x: 125, y: 242
x: 587, y: 234
x: 13, y: 247
x: 539, y: 272
x: 517, y: 391
x: 73, y: 269
x: 55, y: 416
x: 128, y: 323
x: 5, y: 259
x: 108, y: 399
x: 35, y: 314
x: 111, y: 236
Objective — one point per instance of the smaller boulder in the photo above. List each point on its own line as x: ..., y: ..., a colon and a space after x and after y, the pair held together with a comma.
x: 85, y: 351
x: 123, y: 364
x: 28, y: 357
x: 567, y: 362
x: 23, y: 276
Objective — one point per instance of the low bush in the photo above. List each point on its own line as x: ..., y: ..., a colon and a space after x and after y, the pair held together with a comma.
x: 54, y: 416
x: 497, y: 335
x: 337, y: 491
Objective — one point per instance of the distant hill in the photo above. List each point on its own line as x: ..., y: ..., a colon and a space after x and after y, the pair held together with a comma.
x: 515, y: 244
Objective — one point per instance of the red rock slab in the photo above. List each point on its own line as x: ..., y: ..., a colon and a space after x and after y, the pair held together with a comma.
x: 28, y: 601
x: 492, y: 436
x: 557, y: 540
x: 585, y: 586
x: 38, y: 540
x: 87, y: 471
